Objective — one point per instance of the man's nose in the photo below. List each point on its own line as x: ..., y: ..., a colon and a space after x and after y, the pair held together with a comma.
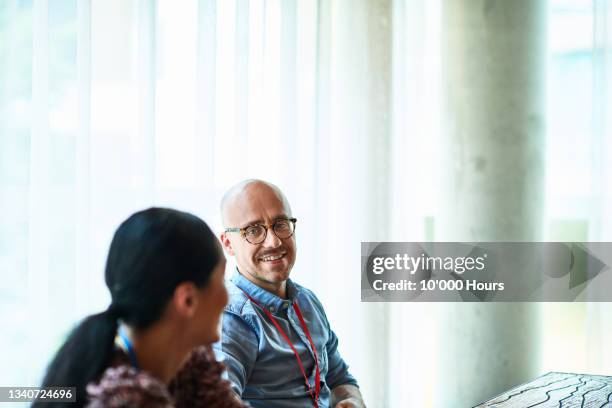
x: 272, y: 241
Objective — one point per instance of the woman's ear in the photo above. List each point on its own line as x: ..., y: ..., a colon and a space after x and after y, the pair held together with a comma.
x: 185, y: 300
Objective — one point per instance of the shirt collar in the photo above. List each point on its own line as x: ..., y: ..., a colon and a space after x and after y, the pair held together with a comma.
x: 262, y: 296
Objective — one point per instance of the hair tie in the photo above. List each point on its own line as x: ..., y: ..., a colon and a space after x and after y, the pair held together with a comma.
x: 114, y: 310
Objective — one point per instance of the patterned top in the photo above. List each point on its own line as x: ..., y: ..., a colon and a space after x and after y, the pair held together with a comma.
x: 197, y: 384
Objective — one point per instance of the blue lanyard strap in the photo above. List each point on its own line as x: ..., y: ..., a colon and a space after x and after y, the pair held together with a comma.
x: 130, y: 349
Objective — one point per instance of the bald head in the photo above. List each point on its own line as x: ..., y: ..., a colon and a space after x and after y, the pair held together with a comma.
x: 245, y: 192
x: 266, y: 263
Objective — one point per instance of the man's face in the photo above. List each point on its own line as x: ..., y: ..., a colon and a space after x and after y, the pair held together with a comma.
x: 268, y: 263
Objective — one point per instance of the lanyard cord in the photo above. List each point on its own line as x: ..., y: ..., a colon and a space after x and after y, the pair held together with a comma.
x: 130, y: 349
x: 314, y: 349
x: 314, y: 396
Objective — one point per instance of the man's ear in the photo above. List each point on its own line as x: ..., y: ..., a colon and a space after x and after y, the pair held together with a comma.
x: 227, y: 244
x: 185, y: 299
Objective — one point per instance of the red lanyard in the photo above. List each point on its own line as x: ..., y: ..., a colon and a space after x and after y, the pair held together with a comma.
x: 315, y: 396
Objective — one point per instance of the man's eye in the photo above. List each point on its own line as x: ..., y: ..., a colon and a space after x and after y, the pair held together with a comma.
x: 253, y: 231
x: 281, y: 226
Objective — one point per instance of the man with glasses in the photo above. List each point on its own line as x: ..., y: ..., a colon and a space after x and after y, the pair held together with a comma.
x: 276, y: 341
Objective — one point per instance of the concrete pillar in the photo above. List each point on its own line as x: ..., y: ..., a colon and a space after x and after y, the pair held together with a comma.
x: 492, y: 158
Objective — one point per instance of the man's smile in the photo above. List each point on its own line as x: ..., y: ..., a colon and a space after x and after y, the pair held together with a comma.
x: 272, y: 257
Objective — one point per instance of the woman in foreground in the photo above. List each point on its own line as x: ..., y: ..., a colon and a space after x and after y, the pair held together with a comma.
x: 165, y: 274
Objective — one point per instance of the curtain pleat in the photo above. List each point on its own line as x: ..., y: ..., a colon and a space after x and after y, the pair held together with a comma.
x: 39, y: 192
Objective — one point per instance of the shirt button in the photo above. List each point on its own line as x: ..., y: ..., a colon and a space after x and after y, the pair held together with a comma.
x: 272, y: 309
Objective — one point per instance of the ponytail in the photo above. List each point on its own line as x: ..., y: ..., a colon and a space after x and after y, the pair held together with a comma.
x: 83, y: 357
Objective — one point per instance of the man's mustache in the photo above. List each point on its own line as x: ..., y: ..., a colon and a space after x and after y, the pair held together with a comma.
x: 277, y: 251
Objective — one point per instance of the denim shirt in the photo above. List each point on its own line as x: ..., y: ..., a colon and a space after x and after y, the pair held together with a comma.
x: 261, y: 366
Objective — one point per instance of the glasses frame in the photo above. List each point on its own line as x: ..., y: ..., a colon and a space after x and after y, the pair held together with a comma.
x: 242, y: 231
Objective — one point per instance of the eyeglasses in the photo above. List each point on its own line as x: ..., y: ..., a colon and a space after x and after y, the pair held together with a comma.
x: 256, y: 234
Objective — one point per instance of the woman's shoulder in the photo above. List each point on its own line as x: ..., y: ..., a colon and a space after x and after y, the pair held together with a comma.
x: 124, y: 386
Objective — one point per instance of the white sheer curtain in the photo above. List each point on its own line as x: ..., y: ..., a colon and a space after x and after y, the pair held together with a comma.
x: 579, y: 171
x: 110, y: 106
x: 600, y: 355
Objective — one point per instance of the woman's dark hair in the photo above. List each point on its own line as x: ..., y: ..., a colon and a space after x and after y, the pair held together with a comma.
x: 152, y: 252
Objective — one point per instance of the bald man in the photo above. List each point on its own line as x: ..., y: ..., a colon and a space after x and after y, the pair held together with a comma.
x: 276, y: 341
